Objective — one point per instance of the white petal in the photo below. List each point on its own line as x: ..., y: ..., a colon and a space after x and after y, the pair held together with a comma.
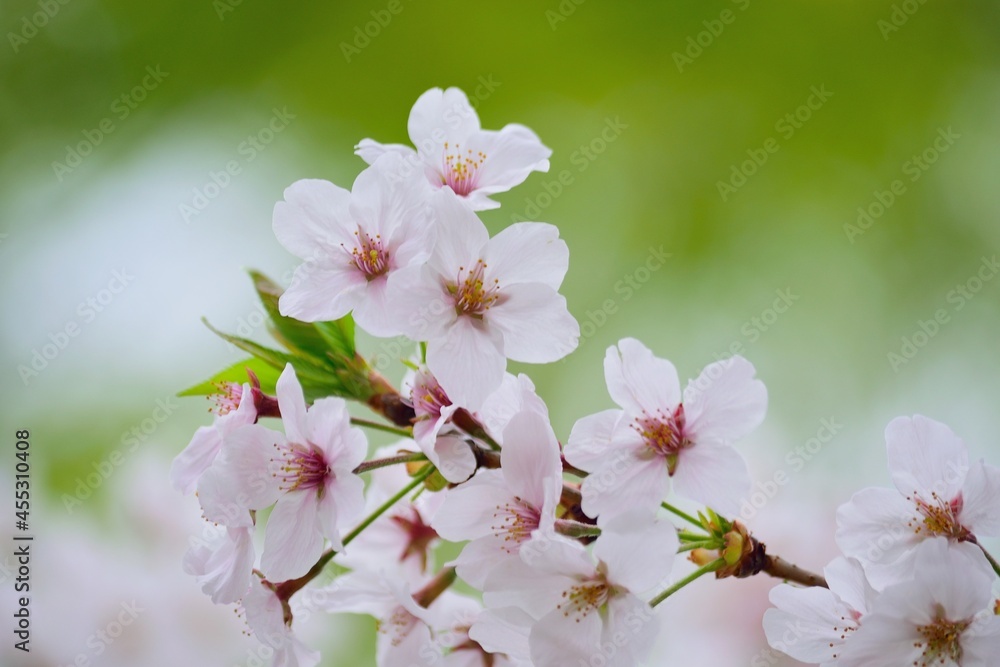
x: 638, y: 551
x: 292, y: 403
x: 807, y: 624
x: 327, y: 425
x: 223, y: 567
x: 632, y: 628
x: 511, y: 155
x: 713, y: 474
x: 502, y: 631
x: 469, y: 362
x: 311, y: 221
x: 454, y: 458
x: 374, y: 311
x: 195, y: 459
x: 528, y: 252
x: 925, y: 457
x: 537, y: 327
x: 981, y: 642
x: 419, y: 303
x: 467, y: 512
x: 461, y: 235
x: 370, y: 150
x: 590, y: 440
x: 347, y: 494
x: 847, y: 579
x: 441, y: 115
x: 479, y: 558
x: 981, y: 500
x: 876, y: 527
x: 629, y: 482
x: 323, y: 292
x: 530, y: 457
x: 638, y: 381
x: 725, y: 402
x: 241, y: 478
x: 559, y: 639
x: 292, y: 542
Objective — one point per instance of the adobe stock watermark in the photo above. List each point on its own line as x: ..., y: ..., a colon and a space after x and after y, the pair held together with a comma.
x: 796, y: 460
x: 786, y: 127
x: 696, y: 44
x: 121, y: 108
x: 956, y: 299
x: 752, y: 329
x: 581, y: 158
x: 32, y: 23
x: 365, y: 33
x: 131, y: 440
x: 247, y: 151
x: 223, y: 7
x: 562, y: 12
x: 99, y: 642
x: 900, y: 16
x: 86, y: 312
x: 913, y: 169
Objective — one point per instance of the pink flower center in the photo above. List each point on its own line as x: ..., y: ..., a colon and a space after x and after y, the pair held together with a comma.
x: 301, y: 468
x: 940, y: 517
x: 664, y: 435
x: 514, y: 522
x: 940, y: 641
x: 474, y: 294
x: 227, y: 398
x: 428, y: 397
x: 397, y: 625
x: 585, y: 598
x: 419, y: 536
x: 369, y: 255
x: 460, y: 169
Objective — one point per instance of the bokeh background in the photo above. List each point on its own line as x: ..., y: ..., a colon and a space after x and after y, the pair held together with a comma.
x: 109, y: 225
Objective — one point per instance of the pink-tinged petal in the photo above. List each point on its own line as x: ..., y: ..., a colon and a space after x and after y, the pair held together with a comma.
x: 441, y: 115
x: 370, y: 150
x: 195, y: 459
x: 807, y: 624
x: 292, y: 542
x: 341, y: 506
x: 590, y: 440
x: 638, y: 381
x: 632, y: 627
x: 323, y: 292
x: 310, y: 222
x: 503, y: 631
x: 714, y: 475
x: 638, y: 551
x: 358, y: 592
x: 468, y: 362
x: 530, y: 457
x: 877, y: 527
x: 981, y: 500
x: 628, y: 482
x: 387, y: 195
x: 981, y: 642
x: 264, y: 614
x: 479, y: 558
x: 467, y: 512
x: 404, y: 646
x: 223, y: 567
x: 946, y: 578
x: 528, y: 252
x: 557, y: 556
x: 725, y: 402
x: 294, y: 653
x: 418, y: 297
x: 512, y: 583
x: 241, y: 478
x: 882, y: 640
x: 292, y: 404
x: 326, y: 424
x: 511, y: 155
x: 453, y: 458
x: 559, y: 639
x: 847, y: 579
x: 536, y: 325
x: 461, y: 235
x: 374, y: 312
x: 925, y: 457
x: 515, y: 394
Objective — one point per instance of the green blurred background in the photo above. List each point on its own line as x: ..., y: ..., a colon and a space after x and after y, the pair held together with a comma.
x: 648, y: 107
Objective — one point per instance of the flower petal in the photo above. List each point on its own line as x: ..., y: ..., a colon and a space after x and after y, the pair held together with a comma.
x: 469, y: 362
x: 713, y: 474
x: 292, y: 404
x: 528, y: 252
x: 725, y: 402
x: 638, y: 381
x: 441, y: 115
x: 536, y: 325
x: 590, y: 440
x: 512, y: 153
x: 925, y: 457
x: 292, y: 541
x: 310, y: 221
x: 323, y: 292
x: 530, y: 457
x: 981, y: 500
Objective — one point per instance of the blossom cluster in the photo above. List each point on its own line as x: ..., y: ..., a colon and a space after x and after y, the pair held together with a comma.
x: 569, y: 546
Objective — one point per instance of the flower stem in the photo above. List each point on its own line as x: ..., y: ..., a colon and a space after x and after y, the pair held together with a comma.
x: 682, y: 514
x: 703, y: 570
x: 389, y: 461
x: 991, y: 559
x: 376, y: 426
x: 571, y: 528
x: 781, y: 569
x: 688, y: 536
x: 704, y: 544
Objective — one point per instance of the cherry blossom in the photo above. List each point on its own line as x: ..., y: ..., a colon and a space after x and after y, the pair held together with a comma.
x: 270, y: 620
x: 812, y: 624
x: 307, y: 472
x: 499, y: 510
x: 353, y: 243
x: 449, y: 452
x: 236, y: 408
x: 943, y: 616
x: 633, y: 453
x: 938, y: 494
x: 480, y: 301
x: 579, y: 608
x: 453, y: 151
x: 223, y: 563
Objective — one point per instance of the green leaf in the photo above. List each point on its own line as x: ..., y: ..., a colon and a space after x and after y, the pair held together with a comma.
x: 266, y: 373
x: 294, y: 335
x: 339, y: 336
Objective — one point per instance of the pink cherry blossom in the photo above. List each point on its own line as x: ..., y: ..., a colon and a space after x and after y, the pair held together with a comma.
x: 270, y: 621
x: 480, y: 301
x: 938, y: 494
x: 353, y: 242
x: 812, y: 624
x: 236, y: 408
x: 943, y: 616
x: 307, y: 472
x: 581, y: 605
x: 633, y: 453
x: 222, y: 564
x: 443, y: 445
x: 499, y: 510
x: 453, y: 151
